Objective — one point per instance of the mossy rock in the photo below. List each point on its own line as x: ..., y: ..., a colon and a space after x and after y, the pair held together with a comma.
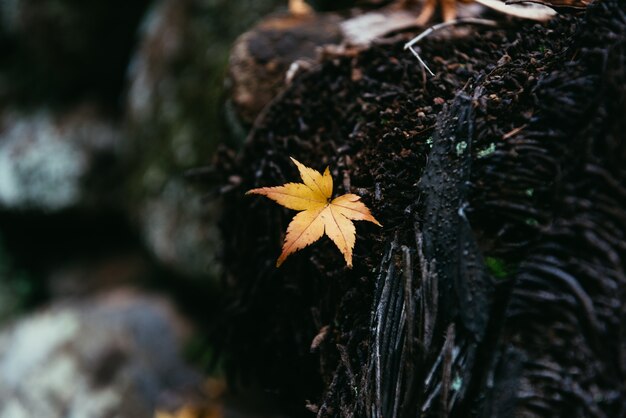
x: 174, y: 119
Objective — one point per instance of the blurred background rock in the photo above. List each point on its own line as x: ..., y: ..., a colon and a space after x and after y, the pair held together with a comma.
x: 104, y: 105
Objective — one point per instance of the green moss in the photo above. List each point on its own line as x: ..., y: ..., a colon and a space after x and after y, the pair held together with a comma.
x: 457, y: 383
x: 498, y: 268
x: 487, y: 151
x: 460, y: 148
x: 531, y: 222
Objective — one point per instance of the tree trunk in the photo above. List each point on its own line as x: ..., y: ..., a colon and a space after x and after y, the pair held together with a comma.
x: 496, y: 287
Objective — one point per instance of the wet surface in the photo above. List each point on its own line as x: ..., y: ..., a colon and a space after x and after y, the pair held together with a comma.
x: 534, y: 211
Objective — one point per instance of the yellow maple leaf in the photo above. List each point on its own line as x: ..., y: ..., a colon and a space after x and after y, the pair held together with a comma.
x: 319, y: 213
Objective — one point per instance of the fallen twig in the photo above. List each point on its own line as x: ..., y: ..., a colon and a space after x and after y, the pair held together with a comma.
x: 469, y: 20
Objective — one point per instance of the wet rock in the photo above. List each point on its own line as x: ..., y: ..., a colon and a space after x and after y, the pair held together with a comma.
x: 116, y: 355
x: 53, y: 161
x: 174, y: 119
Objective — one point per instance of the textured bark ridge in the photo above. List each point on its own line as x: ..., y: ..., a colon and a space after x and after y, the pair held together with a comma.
x: 496, y: 287
x: 442, y: 282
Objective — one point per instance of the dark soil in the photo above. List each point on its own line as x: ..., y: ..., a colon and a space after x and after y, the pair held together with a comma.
x: 496, y: 286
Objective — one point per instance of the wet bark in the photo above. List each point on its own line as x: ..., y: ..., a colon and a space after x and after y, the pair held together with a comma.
x: 496, y: 287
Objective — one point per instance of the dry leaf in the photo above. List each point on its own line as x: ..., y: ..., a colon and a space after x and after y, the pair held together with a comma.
x: 192, y: 412
x: 531, y: 11
x: 319, y: 213
x: 319, y: 338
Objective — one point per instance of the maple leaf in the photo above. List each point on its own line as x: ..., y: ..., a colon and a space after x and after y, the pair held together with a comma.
x: 319, y: 214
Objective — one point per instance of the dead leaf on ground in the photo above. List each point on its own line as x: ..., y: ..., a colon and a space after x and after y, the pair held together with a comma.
x: 319, y: 214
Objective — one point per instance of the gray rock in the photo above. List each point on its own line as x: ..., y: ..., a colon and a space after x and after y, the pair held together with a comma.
x: 176, y: 77
x: 181, y: 230
x: 174, y: 120
x: 47, y: 159
x: 114, y: 356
